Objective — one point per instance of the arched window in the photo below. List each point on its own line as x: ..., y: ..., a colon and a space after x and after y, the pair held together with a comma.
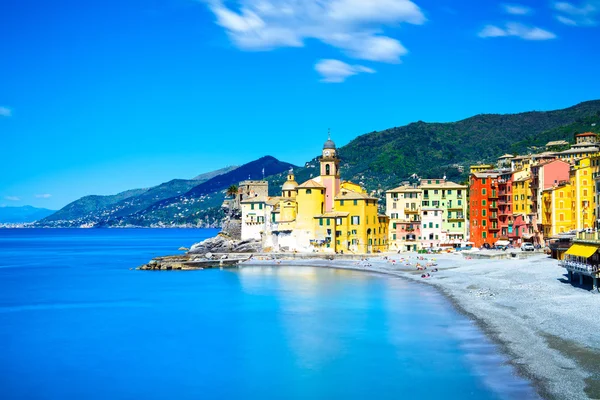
x: 327, y: 169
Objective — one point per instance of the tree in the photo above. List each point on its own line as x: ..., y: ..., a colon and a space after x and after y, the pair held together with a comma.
x: 232, y: 190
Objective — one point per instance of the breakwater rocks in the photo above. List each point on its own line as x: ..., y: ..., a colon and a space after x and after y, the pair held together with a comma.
x: 224, y: 244
x: 193, y: 262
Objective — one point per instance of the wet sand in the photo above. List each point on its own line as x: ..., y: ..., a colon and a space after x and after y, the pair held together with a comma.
x: 549, y: 328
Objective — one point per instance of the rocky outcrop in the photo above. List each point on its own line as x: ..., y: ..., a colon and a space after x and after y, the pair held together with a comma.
x: 232, y: 227
x: 224, y: 244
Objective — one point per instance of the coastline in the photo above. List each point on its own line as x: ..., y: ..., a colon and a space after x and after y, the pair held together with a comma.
x: 542, y: 323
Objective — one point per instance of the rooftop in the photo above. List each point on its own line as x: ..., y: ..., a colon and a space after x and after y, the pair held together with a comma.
x: 311, y: 183
x: 580, y: 150
x: 333, y: 214
x: 354, y: 196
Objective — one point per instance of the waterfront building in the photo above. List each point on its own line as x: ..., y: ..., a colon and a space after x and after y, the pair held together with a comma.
x: 583, y: 258
x: 557, y: 214
x: 482, y: 228
x: 505, y: 216
x: 432, y: 233
x: 544, y: 175
x: 406, y: 205
x: 582, y: 193
x: 452, y: 199
x: 403, y: 207
x: 522, y: 207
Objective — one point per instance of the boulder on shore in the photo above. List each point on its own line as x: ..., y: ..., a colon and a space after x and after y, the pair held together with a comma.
x: 222, y: 244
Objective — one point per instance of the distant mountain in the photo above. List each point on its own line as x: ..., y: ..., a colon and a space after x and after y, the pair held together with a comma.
x: 24, y: 214
x: 377, y: 160
x: 201, y: 204
x: 212, y: 174
x: 158, y: 205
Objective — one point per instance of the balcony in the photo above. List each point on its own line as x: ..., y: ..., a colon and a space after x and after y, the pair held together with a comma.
x: 411, y: 211
x: 456, y: 218
x: 454, y: 207
x: 494, y: 228
x: 579, y: 267
x: 494, y: 216
x: 493, y: 195
x: 493, y: 206
x: 593, y: 237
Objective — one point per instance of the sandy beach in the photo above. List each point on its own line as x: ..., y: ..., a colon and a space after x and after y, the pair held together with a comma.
x: 548, y: 327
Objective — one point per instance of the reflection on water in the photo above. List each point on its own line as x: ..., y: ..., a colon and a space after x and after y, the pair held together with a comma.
x: 76, y: 323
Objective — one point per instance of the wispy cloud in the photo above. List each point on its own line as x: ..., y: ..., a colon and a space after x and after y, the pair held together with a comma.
x: 335, y: 71
x: 516, y: 9
x: 587, y: 13
x: 43, y: 196
x: 12, y: 198
x: 352, y: 26
x: 5, y: 112
x: 516, y: 29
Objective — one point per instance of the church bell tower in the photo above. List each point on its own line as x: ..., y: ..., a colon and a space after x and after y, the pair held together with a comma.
x: 330, y: 172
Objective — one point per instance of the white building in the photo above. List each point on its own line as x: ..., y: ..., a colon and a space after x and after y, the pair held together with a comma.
x: 432, y: 233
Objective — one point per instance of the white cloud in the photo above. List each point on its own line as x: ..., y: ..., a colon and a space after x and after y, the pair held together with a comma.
x: 43, y: 196
x: 5, y: 112
x: 516, y: 9
x: 517, y: 30
x: 352, y: 26
x: 12, y: 198
x: 585, y: 14
x: 335, y: 71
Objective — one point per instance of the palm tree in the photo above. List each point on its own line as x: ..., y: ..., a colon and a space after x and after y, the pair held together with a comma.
x: 232, y: 190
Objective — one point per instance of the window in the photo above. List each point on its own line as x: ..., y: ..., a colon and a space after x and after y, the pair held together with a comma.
x: 483, y: 213
x: 327, y: 169
x: 308, y: 191
x: 484, y: 234
x: 437, y: 225
x: 252, y: 206
x: 483, y: 181
x: 338, y: 221
x: 431, y: 224
x: 449, y: 191
x: 355, y: 220
x: 260, y: 206
x: 320, y: 221
x: 342, y: 203
x: 394, y: 206
x: 483, y: 203
x: 328, y: 222
x: 460, y: 224
x: 585, y: 192
x: 483, y: 191
x: 483, y: 222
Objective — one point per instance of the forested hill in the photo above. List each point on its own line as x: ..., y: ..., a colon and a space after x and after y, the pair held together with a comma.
x: 381, y: 160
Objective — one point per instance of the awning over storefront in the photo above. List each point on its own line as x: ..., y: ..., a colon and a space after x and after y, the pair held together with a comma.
x: 502, y: 243
x: 582, y: 250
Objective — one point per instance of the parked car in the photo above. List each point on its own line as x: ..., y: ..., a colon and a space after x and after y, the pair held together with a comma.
x: 527, y: 247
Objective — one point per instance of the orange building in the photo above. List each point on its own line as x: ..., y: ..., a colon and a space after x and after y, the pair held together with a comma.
x: 483, y: 202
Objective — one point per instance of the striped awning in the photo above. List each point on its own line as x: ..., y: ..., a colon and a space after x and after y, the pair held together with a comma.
x: 582, y: 250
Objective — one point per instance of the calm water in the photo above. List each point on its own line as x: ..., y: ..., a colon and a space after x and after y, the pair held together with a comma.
x: 76, y: 323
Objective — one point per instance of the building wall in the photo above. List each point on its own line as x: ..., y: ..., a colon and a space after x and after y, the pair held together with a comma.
x: 253, y: 220
x: 479, y: 221
x: 431, y: 227
x: 583, y: 193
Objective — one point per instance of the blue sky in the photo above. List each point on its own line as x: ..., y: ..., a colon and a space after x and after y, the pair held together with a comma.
x: 97, y: 97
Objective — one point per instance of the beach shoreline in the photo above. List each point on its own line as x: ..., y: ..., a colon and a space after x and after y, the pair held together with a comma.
x: 543, y: 324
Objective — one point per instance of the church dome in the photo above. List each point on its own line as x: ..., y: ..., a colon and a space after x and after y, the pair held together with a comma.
x: 290, y: 185
x: 329, y: 144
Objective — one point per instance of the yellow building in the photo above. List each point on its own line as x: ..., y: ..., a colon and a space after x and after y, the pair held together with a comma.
x: 581, y: 178
x: 557, y: 216
x: 522, y: 200
x: 480, y: 168
x: 326, y: 214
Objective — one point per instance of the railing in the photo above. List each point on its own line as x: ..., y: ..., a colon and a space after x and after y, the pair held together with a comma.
x: 580, y: 267
x: 592, y: 236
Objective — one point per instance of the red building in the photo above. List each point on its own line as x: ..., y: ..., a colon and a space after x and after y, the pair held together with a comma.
x: 484, y: 224
x: 504, y: 204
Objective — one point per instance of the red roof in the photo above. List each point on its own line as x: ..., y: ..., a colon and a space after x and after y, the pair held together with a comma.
x: 586, y: 134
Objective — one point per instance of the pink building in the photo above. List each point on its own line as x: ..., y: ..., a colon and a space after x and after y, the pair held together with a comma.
x: 543, y: 176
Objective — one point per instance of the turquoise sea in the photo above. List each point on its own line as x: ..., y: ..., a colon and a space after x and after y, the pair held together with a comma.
x: 77, y: 323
